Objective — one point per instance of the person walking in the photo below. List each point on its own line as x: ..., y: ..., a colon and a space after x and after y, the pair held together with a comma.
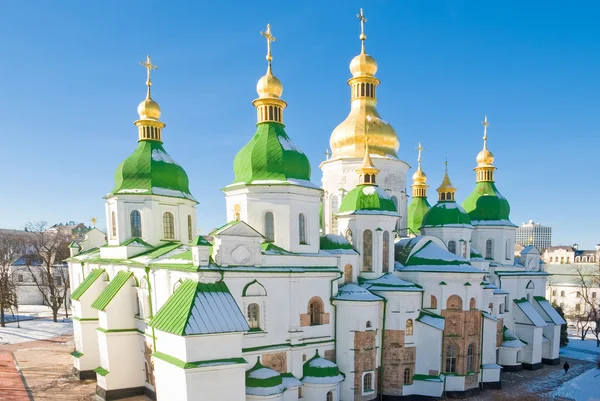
x: 566, y: 367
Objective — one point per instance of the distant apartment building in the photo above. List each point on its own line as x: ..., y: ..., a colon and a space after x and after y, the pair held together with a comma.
x: 535, y: 234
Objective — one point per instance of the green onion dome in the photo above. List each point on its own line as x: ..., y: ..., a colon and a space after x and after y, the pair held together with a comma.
x: 321, y: 371
x: 151, y: 171
x: 271, y: 156
x: 417, y: 209
x: 261, y: 380
x: 487, y: 203
x: 446, y: 214
x: 367, y: 199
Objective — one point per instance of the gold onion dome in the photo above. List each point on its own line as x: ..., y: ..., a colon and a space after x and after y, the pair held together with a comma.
x: 419, y: 177
x: 485, y: 157
x: 269, y: 86
x: 348, y: 138
x: 148, y: 109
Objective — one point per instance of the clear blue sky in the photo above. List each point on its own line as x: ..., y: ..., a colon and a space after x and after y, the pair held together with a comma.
x: 70, y: 82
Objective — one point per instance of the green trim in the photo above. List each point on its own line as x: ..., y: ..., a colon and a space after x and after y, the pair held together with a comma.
x: 101, y: 371
x: 103, y: 330
x: 111, y: 290
x: 273, y: 381
x: 249, y: 284
x: 93, y: 275
x: 283, y: 345
x: 443, y: 283
x: 76, y: 354
x: 467, y: 284
x: 361, y: 198
x: 200, y: 241
x: 420, y: 377
x: 198, y: 364
x: 85, y: 319
x: 136, y: 240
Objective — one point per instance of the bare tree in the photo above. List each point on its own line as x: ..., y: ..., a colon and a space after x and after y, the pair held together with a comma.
x: 12, y: 246
x: 588, y: 282
x: 50, y: 274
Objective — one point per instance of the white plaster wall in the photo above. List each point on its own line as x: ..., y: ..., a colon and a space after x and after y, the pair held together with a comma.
x: 425, y: 388
x: 340, y: 173
x: 455, y: 383
x: 120, y: 355
x: 488, y: 354
x: 429, y: 350
x: 532, y: 352
x: 86, y: 342
x: 222, y: 383
x: 501, y: 236
x: 491, y: 375
x: 120, y: 312
x: 319, y: 391
x: 456, y: 234
x: 286, y: 202
x: 171, y: 383
x: 508, y: 356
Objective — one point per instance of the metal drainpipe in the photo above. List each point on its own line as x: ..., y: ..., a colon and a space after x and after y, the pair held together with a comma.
x: 442, y: 363
x: 481, y: 354
x: 334, y: 311
x: 150, y: 303
x: 381, y: 357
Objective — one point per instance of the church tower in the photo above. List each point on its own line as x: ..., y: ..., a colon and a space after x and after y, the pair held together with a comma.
x: 448, y: 221
x: 494, y: 233
x: 348, y: 144
x: 419, y: 204
x: 151, y: 199
x: 272, y: 191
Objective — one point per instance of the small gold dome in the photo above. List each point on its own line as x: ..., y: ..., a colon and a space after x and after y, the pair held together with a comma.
x: 485, y: 158
x: 419, y: 177
x: 149, y: 109
x: 363, y: 65
x: 269, y: 86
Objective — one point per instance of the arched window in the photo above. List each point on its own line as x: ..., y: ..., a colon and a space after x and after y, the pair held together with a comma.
x: 470, y: 358
x: 577, y: 259
x: 368, y: 382
x: 472, y: 304
x: 349, y: 235
x: 329, y: 396
x: 369, y: 324
x: 144, y: 301
x: 190, y: 231
x: 409, y: 327
x: 454, y: 302
x: 254, y: 316
x: 451, y: 353
x: 315, y: 311
x: 302, y: 228
x: 562, y: 260
x: 135, y: 219
x: 269, y: 227
x: 348, y: 273
x: 488, y: 249
x: 407, y: 376
x: 335, y: 206
x: 367, y: 251
x: 443, y: 196
x: 386, y: 252
x: 562, y: 293
x: 452, y: 247
x: 113, y: 223
x: 168, y: 226
x: 463, y: 248
x: 433, y: 302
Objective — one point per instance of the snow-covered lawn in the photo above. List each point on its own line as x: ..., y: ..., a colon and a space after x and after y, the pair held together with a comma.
x: 36, y: 329
x: 585, y: 350
x: 585, y: 387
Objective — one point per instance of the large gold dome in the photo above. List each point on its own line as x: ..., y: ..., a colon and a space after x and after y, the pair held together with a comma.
x: 269, y: 86
x: 419, y: 177
x: 363, y: 65
x: 148, y: 109
x: 485, y: 158
x: 348, y: 138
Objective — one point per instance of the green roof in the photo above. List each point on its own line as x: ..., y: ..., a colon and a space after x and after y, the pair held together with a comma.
x: 136, y: 241
x: 270, y: 155
x: 260, y: 376
x: 87, y: 283
x: 319, y: 367
x: 197, y: 364
x: 150, y: 170
x: 200, y: 308
x: 334, y: 242
x: 200, y: 241
x: 487, y: 203
x: 417, y: 209
x: 446, y: 213
x: 367, y: 198
x: 73, y: 244
x: 111, y: 290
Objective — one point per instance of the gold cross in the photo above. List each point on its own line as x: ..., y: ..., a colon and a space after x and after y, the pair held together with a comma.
x: 363, y: 20
x: 419, y: 148
x: 270, y: 38
x: 446, y: 162
x: 485, y: 125
x: 149, y: 67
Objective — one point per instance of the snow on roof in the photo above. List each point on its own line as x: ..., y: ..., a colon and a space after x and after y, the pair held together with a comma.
x: 431, y: 319
x: 438, y: 268
x: 530, y: 312
x: 353, y: 292
x: 549, y: 310
x: 499, y: 291
x: 261, y: 380
x: 489, y: 316
x: 510, y: 339
x: 318, y: 370
x: 389, y: 282
x: 333, y: 243
x: 493, y: 223
x: 290, y: 381
x: 491, y: 366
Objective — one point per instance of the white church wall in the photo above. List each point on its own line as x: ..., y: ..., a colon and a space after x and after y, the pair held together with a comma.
x: 503, y: 242
x: 120, y: 354
x: 460, y: 235
x: 429, y: 349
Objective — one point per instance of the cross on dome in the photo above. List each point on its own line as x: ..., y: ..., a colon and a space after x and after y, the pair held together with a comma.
x: 270, y: 38
x: 149, y: 67
x: 363, y: 20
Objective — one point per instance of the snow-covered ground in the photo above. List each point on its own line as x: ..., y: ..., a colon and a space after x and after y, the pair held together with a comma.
x: 585, y: 387
x: 585, y: 350
x: 36, y: 324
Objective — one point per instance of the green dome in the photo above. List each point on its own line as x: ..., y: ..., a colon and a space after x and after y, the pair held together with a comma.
x: 261, y: 380
x: 150, y: 170
x: 270, y: 155
x: 368, y: 199
x: 417, y: 209
x: 487, y: 203
x: 446, y: 213
x: 320, y: 370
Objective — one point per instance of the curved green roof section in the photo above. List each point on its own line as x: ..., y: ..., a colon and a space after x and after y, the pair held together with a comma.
x: 369, y: 199
x: 264, y: 381
x: 417, y: 209
x: 270, y: 156
x: 151, y: 171
x: 446, y: 213
x: 487, y: 203
x: 321, y: 370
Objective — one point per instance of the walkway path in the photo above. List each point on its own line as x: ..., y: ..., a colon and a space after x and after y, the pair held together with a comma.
x: 12, y: 387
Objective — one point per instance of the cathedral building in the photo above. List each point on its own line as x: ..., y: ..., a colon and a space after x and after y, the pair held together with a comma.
x: 340, y: 291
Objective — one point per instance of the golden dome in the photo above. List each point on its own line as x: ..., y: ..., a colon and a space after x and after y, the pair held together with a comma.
x: 269, y: 86
x: 148, y: 109
x: 363, y: 65
x: 419, y: 177
x: 446, y: 185
x: 485, y: 158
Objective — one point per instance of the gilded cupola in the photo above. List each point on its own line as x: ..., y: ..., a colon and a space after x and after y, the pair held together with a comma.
x: 348, y: 138
x: 419, y: 178
x: 446, y: 190
x: 367, y: 172
x: 485, y: 158
x: 149, y: 125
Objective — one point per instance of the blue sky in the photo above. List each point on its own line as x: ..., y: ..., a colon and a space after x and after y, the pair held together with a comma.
x: 70, y: 82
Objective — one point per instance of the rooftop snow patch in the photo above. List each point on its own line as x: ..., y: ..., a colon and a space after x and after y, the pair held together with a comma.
x: 549, y: 310
x: 389, y: 282
x: 530, y: 312
x: 431, y: 319
x: 353, y: 292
